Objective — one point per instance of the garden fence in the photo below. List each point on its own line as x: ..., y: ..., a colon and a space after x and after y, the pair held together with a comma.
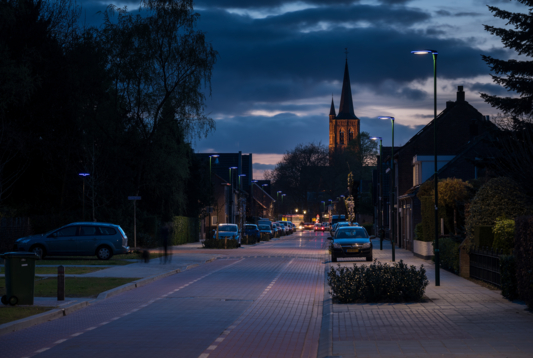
x: 485, y: 265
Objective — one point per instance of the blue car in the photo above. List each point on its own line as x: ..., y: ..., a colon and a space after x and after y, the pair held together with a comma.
x: 251, y: 230
x: 267, y: 230
x: 77, y: 239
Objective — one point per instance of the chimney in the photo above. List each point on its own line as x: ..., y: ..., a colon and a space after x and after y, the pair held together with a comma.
x: 460, y: 94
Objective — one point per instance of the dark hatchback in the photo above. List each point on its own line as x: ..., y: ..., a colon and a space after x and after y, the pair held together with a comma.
x: 351, y: 241
x: 251, y: 230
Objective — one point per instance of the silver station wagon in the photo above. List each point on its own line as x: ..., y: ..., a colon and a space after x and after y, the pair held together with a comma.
x: 77, y: 239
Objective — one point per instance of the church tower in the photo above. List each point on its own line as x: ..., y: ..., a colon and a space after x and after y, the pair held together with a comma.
x: 343, y: 127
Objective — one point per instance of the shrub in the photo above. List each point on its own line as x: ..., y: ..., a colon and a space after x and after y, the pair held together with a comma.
x: 377, y: 283
x: 220, y: 244
x: 483, y: 236
x: 249, y: 239
x: 498, y: 197
x: 428, y: 218
x: 184, y: 230
x: 523, y: 252
x: 419, y: 232
x: 508, y: 277
x: 449, y: 253
x: 503, y: 231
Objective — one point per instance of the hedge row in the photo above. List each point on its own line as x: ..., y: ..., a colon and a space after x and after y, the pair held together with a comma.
x: 449, y: 253
x: 221, y: 244
x: 523, y: 253
x: 377, y: 283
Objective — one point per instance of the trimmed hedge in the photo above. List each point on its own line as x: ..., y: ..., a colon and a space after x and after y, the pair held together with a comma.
x: 503, y: 231
x: 249, y: 239
x: 428, y: 218
x: 449, y: 253
x: 264, y: 237
x: 377, y: 283
x: 483, y: 236
x: 523, y: 252
x: 508, y: 277
x: 185, y: 230
x: 220, y: 244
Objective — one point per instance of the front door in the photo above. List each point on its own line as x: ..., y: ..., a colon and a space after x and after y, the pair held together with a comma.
x: 61, y: 242
x: 87, y: 240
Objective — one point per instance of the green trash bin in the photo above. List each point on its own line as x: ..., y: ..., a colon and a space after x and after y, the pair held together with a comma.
x: 20, y: 277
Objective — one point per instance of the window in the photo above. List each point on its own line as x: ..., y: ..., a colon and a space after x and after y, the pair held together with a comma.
x: 105, y: 230
x: 88, y: 231
x: 350, y: 135
x: 68, y: 231
x: 352, y: 233
x: 341, y: 137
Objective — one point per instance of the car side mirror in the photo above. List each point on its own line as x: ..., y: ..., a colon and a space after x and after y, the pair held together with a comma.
x: 330, y: 238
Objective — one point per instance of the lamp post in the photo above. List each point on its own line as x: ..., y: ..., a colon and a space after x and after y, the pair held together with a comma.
x: 231, y: 195
x: 435, y: 178
x: 282, y: 196
x: 262, y: 186
x: 392, y: 197
x: 277, y: 200
x: 380, y: 213
x: 253, y: 200
x: 211, y: 188
x: 83, y: 175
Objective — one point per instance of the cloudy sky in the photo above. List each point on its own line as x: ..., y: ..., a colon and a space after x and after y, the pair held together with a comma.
x: 281, y: 61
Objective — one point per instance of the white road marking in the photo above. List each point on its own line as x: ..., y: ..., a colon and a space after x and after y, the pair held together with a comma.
x: 42, y: 350
x: 60, y: 341
x: 76, y: 334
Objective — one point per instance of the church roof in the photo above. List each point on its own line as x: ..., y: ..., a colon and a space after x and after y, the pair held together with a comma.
x: 346, y: 107
x: 332, y: 110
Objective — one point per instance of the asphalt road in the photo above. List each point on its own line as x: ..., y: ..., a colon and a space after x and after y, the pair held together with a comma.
x: 259, y: 301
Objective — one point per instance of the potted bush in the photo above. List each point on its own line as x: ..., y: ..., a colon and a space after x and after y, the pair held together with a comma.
x: 421, y: 247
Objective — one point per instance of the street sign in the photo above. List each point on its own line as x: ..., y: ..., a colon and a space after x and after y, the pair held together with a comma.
x: 134, y: 198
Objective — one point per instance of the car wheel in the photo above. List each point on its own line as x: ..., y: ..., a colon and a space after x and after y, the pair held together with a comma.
x: 4, y: 300
x: 369, y: 257
x: 104, y: 253
x: 333, y: 258
x: 13, y: 300
x: 39, y: 251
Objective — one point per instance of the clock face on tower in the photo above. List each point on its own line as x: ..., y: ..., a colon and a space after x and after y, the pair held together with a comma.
x: 344, y: 127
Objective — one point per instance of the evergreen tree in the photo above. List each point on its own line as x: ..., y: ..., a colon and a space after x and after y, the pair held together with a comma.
x: 514, y: 75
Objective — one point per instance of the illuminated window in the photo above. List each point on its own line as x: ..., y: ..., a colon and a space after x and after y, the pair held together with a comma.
x: 350, y: 135
x: 341, y: 137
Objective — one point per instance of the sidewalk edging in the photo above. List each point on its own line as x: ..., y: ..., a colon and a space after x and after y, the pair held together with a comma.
x: 325, y: 341
x: 56, y: 313
x: 42, y: 317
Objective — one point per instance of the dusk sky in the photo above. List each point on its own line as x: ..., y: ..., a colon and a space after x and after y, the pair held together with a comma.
x: 281, y: 61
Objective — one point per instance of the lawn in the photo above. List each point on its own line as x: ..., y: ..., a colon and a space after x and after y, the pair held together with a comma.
x: 68, y: 270
x: 9, y: 313
x: 93, y: 260
x: 74, y: 286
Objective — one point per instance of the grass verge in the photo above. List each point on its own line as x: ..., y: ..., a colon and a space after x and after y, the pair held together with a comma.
x: 84, y: 260
x: 74, y: 286
x: 9, y: 313
x: 68, y: 270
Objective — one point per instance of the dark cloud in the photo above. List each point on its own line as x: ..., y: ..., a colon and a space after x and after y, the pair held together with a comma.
x: 260, y: 134
x: 259, y: 166
x: 490, y: 88
x: 264, y: 4
x: 457, y: 14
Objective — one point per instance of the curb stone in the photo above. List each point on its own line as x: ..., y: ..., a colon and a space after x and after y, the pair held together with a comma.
x: 42, y: 317
x: 325, y: 342
x: 68, y: 309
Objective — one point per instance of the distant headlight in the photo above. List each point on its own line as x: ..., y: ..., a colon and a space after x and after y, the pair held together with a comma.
x: 337, y: 246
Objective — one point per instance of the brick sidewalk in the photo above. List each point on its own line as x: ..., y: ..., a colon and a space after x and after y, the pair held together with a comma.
x: 460, y: 318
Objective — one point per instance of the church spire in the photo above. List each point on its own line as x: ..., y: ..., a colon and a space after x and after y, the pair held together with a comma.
x: 332, y: 110
x: 346, y: 106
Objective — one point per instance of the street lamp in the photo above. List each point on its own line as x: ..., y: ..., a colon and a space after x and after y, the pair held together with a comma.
x: 393, y: 223
x: 241, y: 175
x: 216, y: 161
x: 380, y: 210
x: 231, y: 195
x: 83, y: 175
x: 253, y: 201
x: 435, y: 178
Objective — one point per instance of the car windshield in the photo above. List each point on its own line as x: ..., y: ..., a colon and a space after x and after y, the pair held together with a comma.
x: 264, y: 227
x: 251, y: 227
x: 358, y: 233
x: 229, y: 228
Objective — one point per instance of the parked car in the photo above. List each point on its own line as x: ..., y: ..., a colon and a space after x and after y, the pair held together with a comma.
x: 77, y: 239
x: 279, y: 231
x: 351, y: 241
x: 266, y: 230
x: 286, y: 226
x: 251, y: 230
x: 229, y: 231
x: 292, y: 226
x: 339, y: 225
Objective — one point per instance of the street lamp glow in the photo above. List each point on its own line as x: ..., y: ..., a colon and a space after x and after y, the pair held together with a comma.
x: 233, y: 167
x: 387, y: 117
x: 424, y: 52
x: 376, y: 138
x: 214, y: 156
x: 84, y: 174
x: 254, y: 181
x: 280, y: 192
x: 264, y: 184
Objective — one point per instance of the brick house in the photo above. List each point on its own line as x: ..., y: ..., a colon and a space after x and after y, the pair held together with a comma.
x: 460, y: 128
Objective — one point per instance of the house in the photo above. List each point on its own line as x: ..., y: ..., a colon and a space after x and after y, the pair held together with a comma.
x: 460, y: 129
